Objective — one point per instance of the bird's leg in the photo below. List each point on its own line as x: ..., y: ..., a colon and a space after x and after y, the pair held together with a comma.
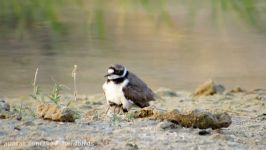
x: 110, y: 104
x: 125, y: 105
x: 107, y: 109
x: 115, y: 108
x: 118, y: 112
x: 119, y: 108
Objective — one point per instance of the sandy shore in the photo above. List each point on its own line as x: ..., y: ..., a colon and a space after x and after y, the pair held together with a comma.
x: 99, y: 131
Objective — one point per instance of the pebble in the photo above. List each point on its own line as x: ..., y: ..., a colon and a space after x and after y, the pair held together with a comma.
x: 204, y: 132
x: 208, y: 88
x: 2, y: 133
x: 165, y: 125
x: 4, y: 105
x: 97, y: 103
x: 17, y: 128
x: 28, y: 123
x: 166, y: 92
x: 130, y: 146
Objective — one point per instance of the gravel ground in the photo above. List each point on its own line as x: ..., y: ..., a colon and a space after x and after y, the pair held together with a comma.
x: 100, y: 131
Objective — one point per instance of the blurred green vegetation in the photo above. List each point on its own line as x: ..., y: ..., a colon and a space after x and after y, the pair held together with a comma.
x: 246, y: 10
x: 21, y: 15
x: 24, y: 15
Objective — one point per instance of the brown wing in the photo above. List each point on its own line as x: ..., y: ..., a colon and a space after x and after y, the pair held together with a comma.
x: 137, y: 91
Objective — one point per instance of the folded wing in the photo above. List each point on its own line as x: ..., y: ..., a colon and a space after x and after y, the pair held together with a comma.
x: 138, y: 92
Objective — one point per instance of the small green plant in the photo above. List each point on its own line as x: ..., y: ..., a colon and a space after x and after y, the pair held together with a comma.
x: 55, y: 95
x: 116, y: 119
x: 23, y: 110
x: 130, y: 117
x: 37, y: 96
x: 77, y: 115
x: 32, y: 113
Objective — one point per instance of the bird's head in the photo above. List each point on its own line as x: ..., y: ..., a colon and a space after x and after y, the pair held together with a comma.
x: 116, y: 71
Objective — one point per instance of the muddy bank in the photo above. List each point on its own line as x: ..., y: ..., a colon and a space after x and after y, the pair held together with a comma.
x: 93, y: 129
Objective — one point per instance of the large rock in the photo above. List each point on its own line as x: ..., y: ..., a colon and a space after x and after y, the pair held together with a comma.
x: 208, y: 88
x: 196, y: 118
x: 55, y: 113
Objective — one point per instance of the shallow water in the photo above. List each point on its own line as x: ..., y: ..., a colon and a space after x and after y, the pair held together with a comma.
x: 171, y: 46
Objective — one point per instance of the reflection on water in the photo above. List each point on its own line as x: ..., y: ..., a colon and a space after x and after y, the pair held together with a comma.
x: 175, y: 44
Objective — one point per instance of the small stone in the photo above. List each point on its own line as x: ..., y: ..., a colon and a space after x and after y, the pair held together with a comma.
x: 28, y: 123
x: 92, y: 115
x: 164, y: 92
x: 219, y: 88
x: 5, y: 112
x: 4, y: 105
x: 261, y: 117
x: 97, y: 103
x: 165, y: 125
x: 17, y: 128
x: 19, y: 118
x: 86, y: 107
x: 130, y: 146
x: 208, y: 88
x: 2, y: 133
x: 68, y: 115
x: 204, y: 132
x: 237, y: 90
x: 176, y: 110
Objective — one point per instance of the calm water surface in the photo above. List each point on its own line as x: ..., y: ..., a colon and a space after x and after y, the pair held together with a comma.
x: 175, y: 51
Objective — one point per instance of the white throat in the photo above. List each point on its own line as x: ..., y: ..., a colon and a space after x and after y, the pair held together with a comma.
x: 114, y: 76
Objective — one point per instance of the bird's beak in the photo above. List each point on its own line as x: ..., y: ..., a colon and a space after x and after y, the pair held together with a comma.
x: 107, y: 75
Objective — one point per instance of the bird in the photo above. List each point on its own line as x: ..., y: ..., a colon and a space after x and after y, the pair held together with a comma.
x: 123, y: 88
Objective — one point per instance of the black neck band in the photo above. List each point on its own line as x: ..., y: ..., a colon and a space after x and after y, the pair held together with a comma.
x: 118, y: 80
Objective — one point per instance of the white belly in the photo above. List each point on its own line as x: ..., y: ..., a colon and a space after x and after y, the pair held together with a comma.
x: 114, y: 92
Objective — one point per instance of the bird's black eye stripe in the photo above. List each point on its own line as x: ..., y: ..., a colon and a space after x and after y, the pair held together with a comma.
x: 112, y: 68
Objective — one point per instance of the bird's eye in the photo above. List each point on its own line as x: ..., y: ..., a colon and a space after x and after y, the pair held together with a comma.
x: 119, y: 72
